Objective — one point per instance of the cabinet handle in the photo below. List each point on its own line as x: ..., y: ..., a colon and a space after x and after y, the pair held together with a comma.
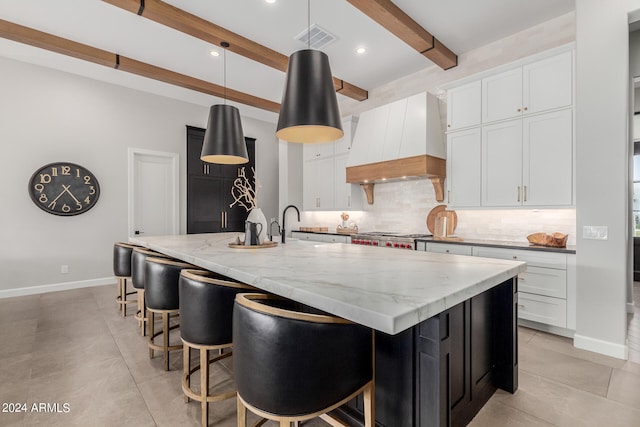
x: 448, y: 125
x: 518, y: 193
x: 448, y: 196
x: 515, y: 257
x: 522, y: 306
x: 525, y: 193
x: 447, y: 250
x: 525, y: 108
x: 518, y: 110
x: 221, y: 219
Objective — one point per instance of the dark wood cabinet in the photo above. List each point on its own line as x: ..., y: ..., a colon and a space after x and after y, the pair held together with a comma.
x: 443, y: 370
x: 209, y: 189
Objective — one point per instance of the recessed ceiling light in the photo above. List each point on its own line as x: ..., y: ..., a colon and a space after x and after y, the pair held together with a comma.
x: 214, y: 53
x: 270, y: 1
x: 361, y: 50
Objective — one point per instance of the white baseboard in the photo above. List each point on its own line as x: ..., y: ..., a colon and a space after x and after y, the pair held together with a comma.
x: 599, y: 346
x: 631, y: 307
x: 42, y: 289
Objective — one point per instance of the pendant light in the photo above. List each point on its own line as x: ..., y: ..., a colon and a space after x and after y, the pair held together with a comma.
x: 309, y: 110
x: 224, y: 138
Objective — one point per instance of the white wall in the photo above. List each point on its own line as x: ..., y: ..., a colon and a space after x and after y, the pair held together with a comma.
x: 602, y: 173
x: 47, y: 116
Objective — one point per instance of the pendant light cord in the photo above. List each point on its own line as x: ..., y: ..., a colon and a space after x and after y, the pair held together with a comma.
x: 225, y: 45
x: 309, y: 24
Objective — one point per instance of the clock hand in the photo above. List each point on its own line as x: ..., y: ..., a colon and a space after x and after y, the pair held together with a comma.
x: 66, y: 188
x: 54, y: 200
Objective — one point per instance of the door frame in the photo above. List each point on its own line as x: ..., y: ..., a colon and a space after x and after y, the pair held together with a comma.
x: 132, y: 153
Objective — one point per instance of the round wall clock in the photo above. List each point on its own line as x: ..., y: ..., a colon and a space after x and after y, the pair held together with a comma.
x: 64, y: 189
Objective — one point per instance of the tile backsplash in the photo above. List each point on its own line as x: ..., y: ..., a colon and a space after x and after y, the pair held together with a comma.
x: 403, y: 207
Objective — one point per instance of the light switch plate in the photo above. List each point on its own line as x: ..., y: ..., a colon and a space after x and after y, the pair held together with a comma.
x: 595, y: 232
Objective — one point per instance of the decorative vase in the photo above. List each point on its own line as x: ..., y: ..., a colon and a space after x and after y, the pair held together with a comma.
x: 256, y: 215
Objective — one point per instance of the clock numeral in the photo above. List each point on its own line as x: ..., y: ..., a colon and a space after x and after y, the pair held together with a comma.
x: 66, y: 170
x: 43, y: 198
x: 65, y: 208
x: 92, y: 190
x: 78, y: 206
x: 54, y: 171
x: 45, y: 178
x: 87, y: 200
x: 87, y: 179
x: 39, y: 188
x: 52, y: 205
x: 77, y: 173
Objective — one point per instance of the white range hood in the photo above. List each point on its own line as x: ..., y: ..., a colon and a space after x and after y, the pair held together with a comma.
x: 399, y: 141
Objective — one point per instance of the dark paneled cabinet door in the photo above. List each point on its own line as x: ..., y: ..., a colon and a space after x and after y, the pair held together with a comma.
x: 209, y: 189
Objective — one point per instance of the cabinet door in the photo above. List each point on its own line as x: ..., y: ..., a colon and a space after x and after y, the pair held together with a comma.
x: 205, y: 207
x: 502, y: 164
x: 318, y: 184
x: 347, y: 196
x: 548, y: 84
x: 463, y: 168
x: 343, y: 145
x: 547, y: 159
x: 310, y: 185
x: 463, y: 106
x: 448, y: 248
x: 502, y: 96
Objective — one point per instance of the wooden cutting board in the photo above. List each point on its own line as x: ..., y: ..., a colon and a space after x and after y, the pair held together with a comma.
x: 452, y: 218
x: 452, y: 222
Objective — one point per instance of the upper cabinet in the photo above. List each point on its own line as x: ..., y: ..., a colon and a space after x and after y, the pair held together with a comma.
x: 533, y: 88
x: 463, y: 106
x: 510, y: 136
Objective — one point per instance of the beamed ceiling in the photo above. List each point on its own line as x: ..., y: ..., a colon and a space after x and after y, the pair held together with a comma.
x: 164, y: 47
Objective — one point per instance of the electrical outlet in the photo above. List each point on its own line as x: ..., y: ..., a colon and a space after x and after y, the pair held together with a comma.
x: 595, y: 232
x: 64, y: 269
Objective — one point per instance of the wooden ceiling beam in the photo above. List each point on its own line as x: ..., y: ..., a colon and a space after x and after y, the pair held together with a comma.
x: 392, y: 18
x: 185, y: 22
x: 15, y: 32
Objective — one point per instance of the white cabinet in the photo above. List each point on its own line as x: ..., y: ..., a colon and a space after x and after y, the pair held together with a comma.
x: 502, y: 164
x: 463, y: 106
x: 547, y: 175
x: 463, y: 168
x: 447, y: 248
x: 318, y: 237
x: 324, y: 175
x: 528, y: 162
x: 536, y: 87
x: 545, y: 290
x: 318, y: 182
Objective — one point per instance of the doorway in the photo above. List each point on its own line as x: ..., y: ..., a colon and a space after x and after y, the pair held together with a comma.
x: 153, y: 208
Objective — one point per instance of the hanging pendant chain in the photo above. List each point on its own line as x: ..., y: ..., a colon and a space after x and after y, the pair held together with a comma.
x: 225, y: 75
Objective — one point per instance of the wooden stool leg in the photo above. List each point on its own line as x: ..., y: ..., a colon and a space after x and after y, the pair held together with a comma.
x: 151, y: 326
x: 165, y: 339
x: 284, y: 423
x: 242, y: 413
x: 186, y: 367
x: 204, y: 385
x: 369, y: 406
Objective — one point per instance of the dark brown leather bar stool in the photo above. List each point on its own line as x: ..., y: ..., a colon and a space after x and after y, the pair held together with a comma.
x: 122, y: 271
x: 206, y: 315
x: 138, y: 258
x: 162, y: 296
x: 292, y: 366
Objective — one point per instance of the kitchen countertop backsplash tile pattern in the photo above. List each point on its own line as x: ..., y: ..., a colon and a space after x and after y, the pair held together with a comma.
x: 403, y: 207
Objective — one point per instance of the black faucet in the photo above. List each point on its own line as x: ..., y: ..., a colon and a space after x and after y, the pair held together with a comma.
x: 284, y: 232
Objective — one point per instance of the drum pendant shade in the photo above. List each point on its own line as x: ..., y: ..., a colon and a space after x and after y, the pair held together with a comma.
x: 309, y: 110
x: 224, y: 139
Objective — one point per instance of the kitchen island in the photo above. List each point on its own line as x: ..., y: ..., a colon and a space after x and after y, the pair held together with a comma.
x: 446, y: 325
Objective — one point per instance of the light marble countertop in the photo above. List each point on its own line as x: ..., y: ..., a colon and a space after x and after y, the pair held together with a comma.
x: 387, y: 290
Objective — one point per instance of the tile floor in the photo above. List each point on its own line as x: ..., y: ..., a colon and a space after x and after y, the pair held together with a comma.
x: 74, y: 348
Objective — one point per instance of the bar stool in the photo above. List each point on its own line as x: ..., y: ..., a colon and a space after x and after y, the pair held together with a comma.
x: 138, y: 257
x: 161, y: 295
x: 292, y: 366
x: 206, y: 315
x: 122, y: 271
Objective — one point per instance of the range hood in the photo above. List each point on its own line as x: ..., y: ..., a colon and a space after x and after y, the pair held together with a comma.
x: 399, y: 141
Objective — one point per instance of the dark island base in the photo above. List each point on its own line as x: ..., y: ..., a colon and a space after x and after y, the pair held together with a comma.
x: 442, y: 371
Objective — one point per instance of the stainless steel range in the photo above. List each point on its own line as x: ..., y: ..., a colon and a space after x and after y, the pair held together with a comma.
x: 387, y: 239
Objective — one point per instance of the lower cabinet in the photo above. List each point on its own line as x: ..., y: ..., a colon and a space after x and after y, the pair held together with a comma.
x: 546, y: 291
x: 443, y: 370
x: 319, y: 237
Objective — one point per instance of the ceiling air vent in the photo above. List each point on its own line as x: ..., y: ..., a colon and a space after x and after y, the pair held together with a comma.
x: 319, y: 37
